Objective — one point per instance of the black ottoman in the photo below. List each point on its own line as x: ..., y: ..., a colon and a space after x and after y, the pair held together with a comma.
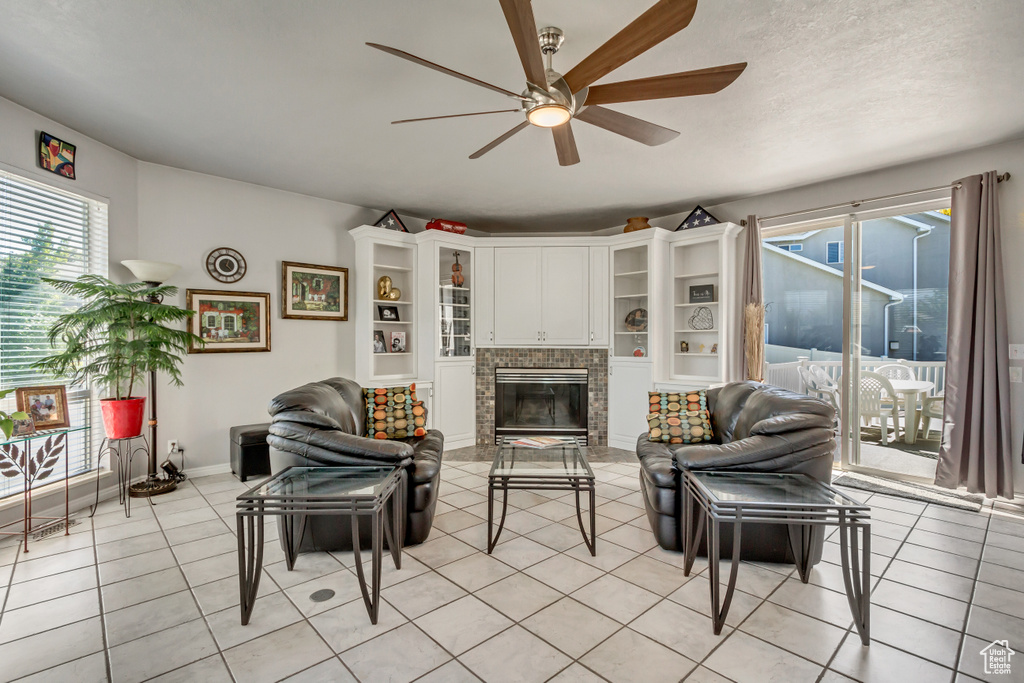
x: 250, y: 452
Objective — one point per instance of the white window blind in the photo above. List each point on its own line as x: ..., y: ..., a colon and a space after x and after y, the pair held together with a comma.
x: 45, y: 232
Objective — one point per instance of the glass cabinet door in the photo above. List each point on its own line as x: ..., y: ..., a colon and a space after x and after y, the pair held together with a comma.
x: 455, y: 275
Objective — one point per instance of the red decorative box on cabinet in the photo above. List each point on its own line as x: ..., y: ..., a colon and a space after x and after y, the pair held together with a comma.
x: 447, y: 226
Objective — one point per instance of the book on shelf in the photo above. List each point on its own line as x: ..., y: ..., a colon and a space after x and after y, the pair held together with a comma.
x: 538, y: 442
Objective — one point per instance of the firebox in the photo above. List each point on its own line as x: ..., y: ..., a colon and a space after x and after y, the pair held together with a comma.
x: 540, y: 402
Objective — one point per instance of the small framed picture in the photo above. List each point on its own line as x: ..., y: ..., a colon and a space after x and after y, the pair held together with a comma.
x: 398, y: 342
x: 229, y: 322
x: 46, y: 406
x: 702, y: 294
x: 24, y: 427
x: 56, y: 156
x: 311, y: 292
x: 388, y: 314
x: 380, y: 344
x: 391, y: 221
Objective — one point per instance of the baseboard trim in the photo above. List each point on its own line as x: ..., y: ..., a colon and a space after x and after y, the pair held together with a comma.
x: 208, y: 471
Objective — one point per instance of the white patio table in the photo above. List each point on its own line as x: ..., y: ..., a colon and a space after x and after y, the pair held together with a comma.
x: 910, y: 389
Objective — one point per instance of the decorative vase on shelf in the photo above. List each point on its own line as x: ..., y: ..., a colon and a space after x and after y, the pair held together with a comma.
x: 636, y: 223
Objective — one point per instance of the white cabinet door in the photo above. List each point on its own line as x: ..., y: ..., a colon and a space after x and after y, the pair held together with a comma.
x: 454, y: 402
x: 599, y: 296
x: 517, y: 296
x: 566, y: 305
x: 628, y: 384
x: 483, y: 297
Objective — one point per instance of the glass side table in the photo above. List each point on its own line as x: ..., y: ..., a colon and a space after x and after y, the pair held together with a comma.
x: 559, y: 468
x: 17, y: 460
x: 795, y: 500
x: 296, y: 493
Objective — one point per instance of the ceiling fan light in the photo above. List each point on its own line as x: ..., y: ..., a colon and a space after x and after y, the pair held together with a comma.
x: 548, y: 115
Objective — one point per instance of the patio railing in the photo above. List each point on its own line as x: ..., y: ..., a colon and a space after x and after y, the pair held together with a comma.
x: 785, y: 375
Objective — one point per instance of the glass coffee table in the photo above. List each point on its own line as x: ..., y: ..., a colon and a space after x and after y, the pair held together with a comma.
x: 296, y: 493
x: 796, y: 500
x: 559, y: 468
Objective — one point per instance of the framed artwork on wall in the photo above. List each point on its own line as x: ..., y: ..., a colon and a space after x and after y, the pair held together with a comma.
x: 311, y: 292
x: 46, y: 406
x: 229, y: 322
x: 56, y: 156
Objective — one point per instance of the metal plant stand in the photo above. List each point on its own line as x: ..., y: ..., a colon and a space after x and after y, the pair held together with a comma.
x: 560, y: 468
x: 125, y: 450
x: 296, y: 493
x: 796, y: 500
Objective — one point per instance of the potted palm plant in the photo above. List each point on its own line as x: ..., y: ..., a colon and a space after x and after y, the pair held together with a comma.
x: 114, y: 339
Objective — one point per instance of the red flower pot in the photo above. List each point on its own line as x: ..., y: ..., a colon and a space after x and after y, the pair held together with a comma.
x: 123, y: 418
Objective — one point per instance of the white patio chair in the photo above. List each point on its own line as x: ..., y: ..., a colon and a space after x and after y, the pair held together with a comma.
x: 934, y: 408
x: 810, y: 385
x: 878, y: 400
x: 896, y: 371
x: 822, y: 377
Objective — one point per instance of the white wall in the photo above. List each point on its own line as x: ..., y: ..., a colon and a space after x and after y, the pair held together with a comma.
x: 182, y: 217
x: 1006, y: 157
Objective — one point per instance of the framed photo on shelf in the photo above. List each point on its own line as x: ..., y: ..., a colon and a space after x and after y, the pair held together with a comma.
x: 387, y: 314
x: 398, y: 342
x: 46, y: 406
x: 311, y: 292
x: 25, y: 427
x: 380, y: 344
x: 229, y: 322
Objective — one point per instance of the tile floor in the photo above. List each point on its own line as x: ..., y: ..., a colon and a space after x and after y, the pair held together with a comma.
x: 155, y: 598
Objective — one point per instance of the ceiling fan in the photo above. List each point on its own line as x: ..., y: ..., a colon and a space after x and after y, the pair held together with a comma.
x: 552, y: 100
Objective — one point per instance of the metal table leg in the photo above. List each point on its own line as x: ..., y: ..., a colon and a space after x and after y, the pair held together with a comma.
x: 493, y: 540
x: 250, y: 560
x: 718, y: 614
x: 591, y: 540
x: 693, y: 531
x: 857, y: 573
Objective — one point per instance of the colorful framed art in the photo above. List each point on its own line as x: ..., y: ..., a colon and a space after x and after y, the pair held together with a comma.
x: 229, y: 322
x: 57, y: 156
x: 310, y: 292
x: 46, y: 406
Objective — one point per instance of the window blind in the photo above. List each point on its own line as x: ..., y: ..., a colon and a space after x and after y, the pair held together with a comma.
x: 45, y: 232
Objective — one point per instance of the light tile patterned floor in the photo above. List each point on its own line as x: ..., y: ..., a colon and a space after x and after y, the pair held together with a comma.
x: 155, y: 598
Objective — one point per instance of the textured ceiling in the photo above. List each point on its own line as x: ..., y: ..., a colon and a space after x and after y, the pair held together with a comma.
x: 286, y: 94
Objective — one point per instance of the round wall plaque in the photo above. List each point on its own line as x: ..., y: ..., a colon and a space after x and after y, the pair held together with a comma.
x: 225, y: 265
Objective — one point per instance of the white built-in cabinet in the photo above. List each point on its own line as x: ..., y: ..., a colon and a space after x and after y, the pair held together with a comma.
x: 598, y: 296
x: 628, y: 384
x: 541, y: 296
x: 454, y: 401
x: 483, y: 313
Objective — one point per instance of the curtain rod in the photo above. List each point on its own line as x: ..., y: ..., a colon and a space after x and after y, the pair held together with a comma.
x: 857, y: 202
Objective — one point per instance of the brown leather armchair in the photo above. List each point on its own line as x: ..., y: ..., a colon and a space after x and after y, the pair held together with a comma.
x: 324, y: 424
x: 757, y: 428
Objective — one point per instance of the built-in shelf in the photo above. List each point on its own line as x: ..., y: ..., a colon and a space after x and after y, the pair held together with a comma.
x: 453, y: 287
x: 383, y: 266
x: 394, y: 322
x: 632, y: 273
x: 696, y: 275
x: 455, y: 336
x: 706, y: 303
x: 698, y: 353
x: 390, y: 301
x: 631, y: 333
x: 389, y: 353
x: 631, y: 296
x: 696, y: 331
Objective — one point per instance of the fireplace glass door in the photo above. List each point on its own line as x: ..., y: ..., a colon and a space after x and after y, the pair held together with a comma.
x: 540, y: 401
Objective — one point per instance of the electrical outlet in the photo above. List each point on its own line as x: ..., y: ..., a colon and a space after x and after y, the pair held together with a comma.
x: 172, y: 445
x: 1016, y: 351
x: 1016, y: 373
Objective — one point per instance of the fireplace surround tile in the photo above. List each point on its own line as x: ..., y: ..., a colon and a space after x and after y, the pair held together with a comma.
x: 594, y: 360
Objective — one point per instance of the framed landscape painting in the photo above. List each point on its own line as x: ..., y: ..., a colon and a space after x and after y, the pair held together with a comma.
x: 229, y: 322
x: 313, y: 292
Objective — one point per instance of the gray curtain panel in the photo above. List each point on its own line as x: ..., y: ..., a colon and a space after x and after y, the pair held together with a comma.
x: 753, y: 290
x: 976, y: 449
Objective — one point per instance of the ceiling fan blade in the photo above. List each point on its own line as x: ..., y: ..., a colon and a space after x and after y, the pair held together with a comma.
x: 494, y: 143
x: 455, y: 116
x: 565, y: 145
x: 628, y: 126
x: 519, y: 15
x: 664, y: 19
x: 445, y: 70
x: 699, y: 82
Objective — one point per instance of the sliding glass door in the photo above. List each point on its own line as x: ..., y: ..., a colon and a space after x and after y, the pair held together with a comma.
x: 856, y: 315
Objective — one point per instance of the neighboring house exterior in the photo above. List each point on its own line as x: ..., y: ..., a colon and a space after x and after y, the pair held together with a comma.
x: 887, y: 262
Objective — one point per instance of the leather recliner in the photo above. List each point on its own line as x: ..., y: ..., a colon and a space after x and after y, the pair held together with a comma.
x: 757, y: 428
x: 324, y: 424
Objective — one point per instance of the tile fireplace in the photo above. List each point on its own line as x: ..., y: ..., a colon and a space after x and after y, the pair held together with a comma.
x: 540, y: 402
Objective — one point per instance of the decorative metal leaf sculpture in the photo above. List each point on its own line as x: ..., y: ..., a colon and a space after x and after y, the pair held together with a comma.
x: 16, y: 461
